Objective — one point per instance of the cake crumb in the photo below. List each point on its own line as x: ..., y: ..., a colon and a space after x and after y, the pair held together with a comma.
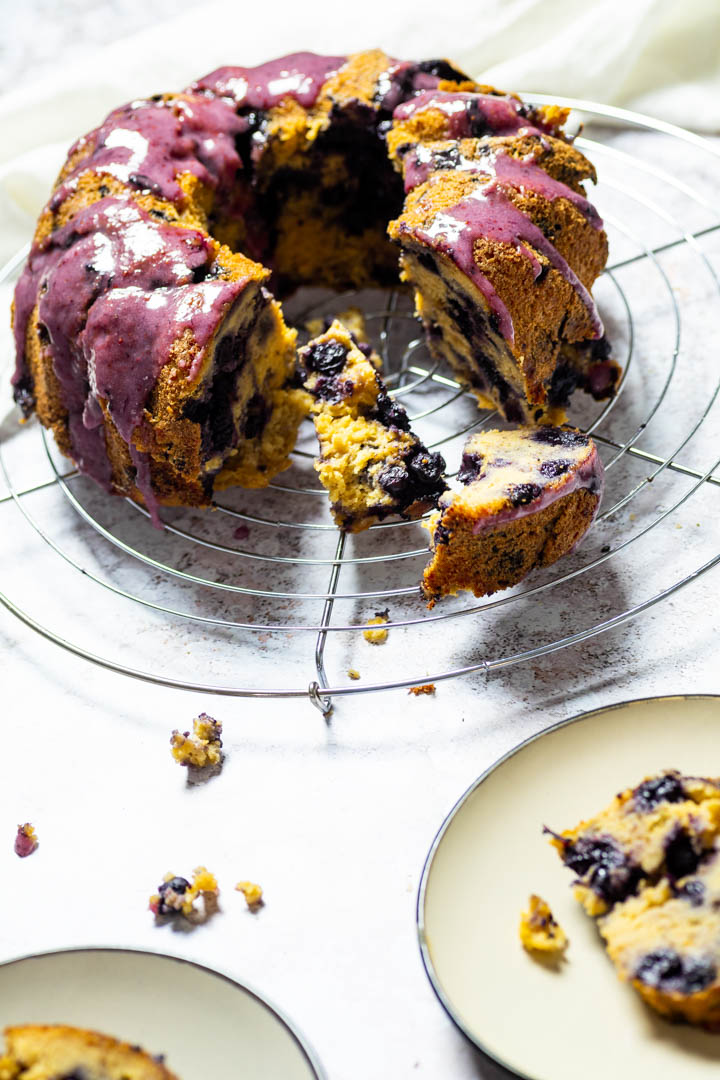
x: 203, y: 747
x: 377, y: 637
x: 253, y: 894
x: 26, y: 840
x: 177, y: 896
x: 539, y: 932
x: 353, y: 674
x: 425, y: 688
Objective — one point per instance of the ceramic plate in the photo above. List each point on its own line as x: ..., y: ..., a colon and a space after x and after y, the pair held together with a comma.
x: 491, y: 854
x: 204, y: 1022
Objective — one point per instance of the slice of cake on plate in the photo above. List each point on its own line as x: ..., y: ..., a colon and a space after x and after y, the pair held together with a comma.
x: 648, y: 868
x: 58, y: 1052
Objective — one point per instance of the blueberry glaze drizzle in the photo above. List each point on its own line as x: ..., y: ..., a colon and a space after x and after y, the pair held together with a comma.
x: 299, y: 75
x: 488, y: 213
x: 117, y: 288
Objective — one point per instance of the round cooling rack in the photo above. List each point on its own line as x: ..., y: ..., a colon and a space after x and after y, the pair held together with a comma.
x: 264, y: 597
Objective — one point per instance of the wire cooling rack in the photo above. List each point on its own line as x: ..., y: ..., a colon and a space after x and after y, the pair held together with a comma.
x: 265, y: 598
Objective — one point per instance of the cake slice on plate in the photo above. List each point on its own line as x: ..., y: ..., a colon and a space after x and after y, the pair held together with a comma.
x: 648, y: 868
x: 58, y: 1052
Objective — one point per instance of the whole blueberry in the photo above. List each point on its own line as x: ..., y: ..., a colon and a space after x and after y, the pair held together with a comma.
x: 325, y: 357
x: 427, y: 468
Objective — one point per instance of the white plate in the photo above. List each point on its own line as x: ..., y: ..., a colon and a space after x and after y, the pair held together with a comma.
x: 490, y: 854
x: 205, y: 1023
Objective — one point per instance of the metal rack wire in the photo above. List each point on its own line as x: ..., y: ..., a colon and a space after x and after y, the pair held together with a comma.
x: 290, y: 584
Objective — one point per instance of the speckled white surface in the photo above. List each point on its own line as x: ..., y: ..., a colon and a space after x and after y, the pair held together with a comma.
x: 334, y: 820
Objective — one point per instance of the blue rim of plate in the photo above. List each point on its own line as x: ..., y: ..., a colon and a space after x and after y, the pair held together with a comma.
x: 300, y: 1039
x: 450, y: 817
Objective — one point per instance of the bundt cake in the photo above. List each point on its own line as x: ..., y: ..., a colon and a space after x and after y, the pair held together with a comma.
x: 147, y: 336
x: 58, y: 1052
x: 370, y: 462
x: 648, y: 868
x: 526, y: 498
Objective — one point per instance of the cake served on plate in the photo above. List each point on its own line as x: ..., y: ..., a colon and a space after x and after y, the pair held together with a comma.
x: 648, y: 868
x: 370, y: 462
x: 525, y: 498
x: 58, y: 1052
x: 147, y: 337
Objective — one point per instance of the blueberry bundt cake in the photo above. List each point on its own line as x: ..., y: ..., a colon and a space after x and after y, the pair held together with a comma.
x: 648, y: 867
x: 370, y: 462
x: 147, y: 338
x: 526, y: 498
x: 57, y: 1052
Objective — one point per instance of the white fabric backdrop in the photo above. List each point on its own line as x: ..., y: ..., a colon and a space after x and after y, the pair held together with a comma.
x: 658, y: 56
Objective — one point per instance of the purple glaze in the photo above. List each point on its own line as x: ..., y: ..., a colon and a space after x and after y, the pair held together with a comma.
x: 589, y: 475
x: 402, y: 79
x: 487, y: 213
x: 471, y: 114
x: 150, y: 143
x: 114, y: 271
x: 523, y: 174
x: 299, y: 75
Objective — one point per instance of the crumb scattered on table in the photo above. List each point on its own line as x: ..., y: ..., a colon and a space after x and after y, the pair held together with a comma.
x: 253, y: 893
x: 353, y: 674
x: 377, y: 637
x: 425, y: 688
x: 539, y: 932
x: 26, y: 840
x: 177, y: 895
x: 203, y: 747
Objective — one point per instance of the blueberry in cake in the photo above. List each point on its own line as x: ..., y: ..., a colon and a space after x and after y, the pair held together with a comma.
x: 539, y: 930
x: 648, y: 868
x: 526, y: 497
x: 146, y: 336
x: 370, y: 462
x: 58, y: 1052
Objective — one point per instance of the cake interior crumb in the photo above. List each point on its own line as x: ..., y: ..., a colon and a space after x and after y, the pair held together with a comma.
x: 539, y: 932
x: 253, y: 893
x: 379, y: 636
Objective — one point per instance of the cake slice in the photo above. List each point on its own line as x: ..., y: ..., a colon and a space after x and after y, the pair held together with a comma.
x: 58, y: 1052
x: 648, y: 868
x: 370, y: 462
x: 662, y: 827
x: 526, y: 498
x: 501, y: 247
x: 666, y: 942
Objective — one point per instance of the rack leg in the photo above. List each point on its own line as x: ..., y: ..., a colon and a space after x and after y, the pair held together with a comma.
x: 322, y: 701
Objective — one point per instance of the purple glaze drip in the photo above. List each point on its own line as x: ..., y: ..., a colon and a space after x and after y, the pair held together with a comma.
x: 299, y: 75
x: 470, y: 114
x: 116, y: 288
x: 150, y: 143
x: 523, y: 174
x: 589, y: 475
x: 402, y: 79
x: 487, y: 213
